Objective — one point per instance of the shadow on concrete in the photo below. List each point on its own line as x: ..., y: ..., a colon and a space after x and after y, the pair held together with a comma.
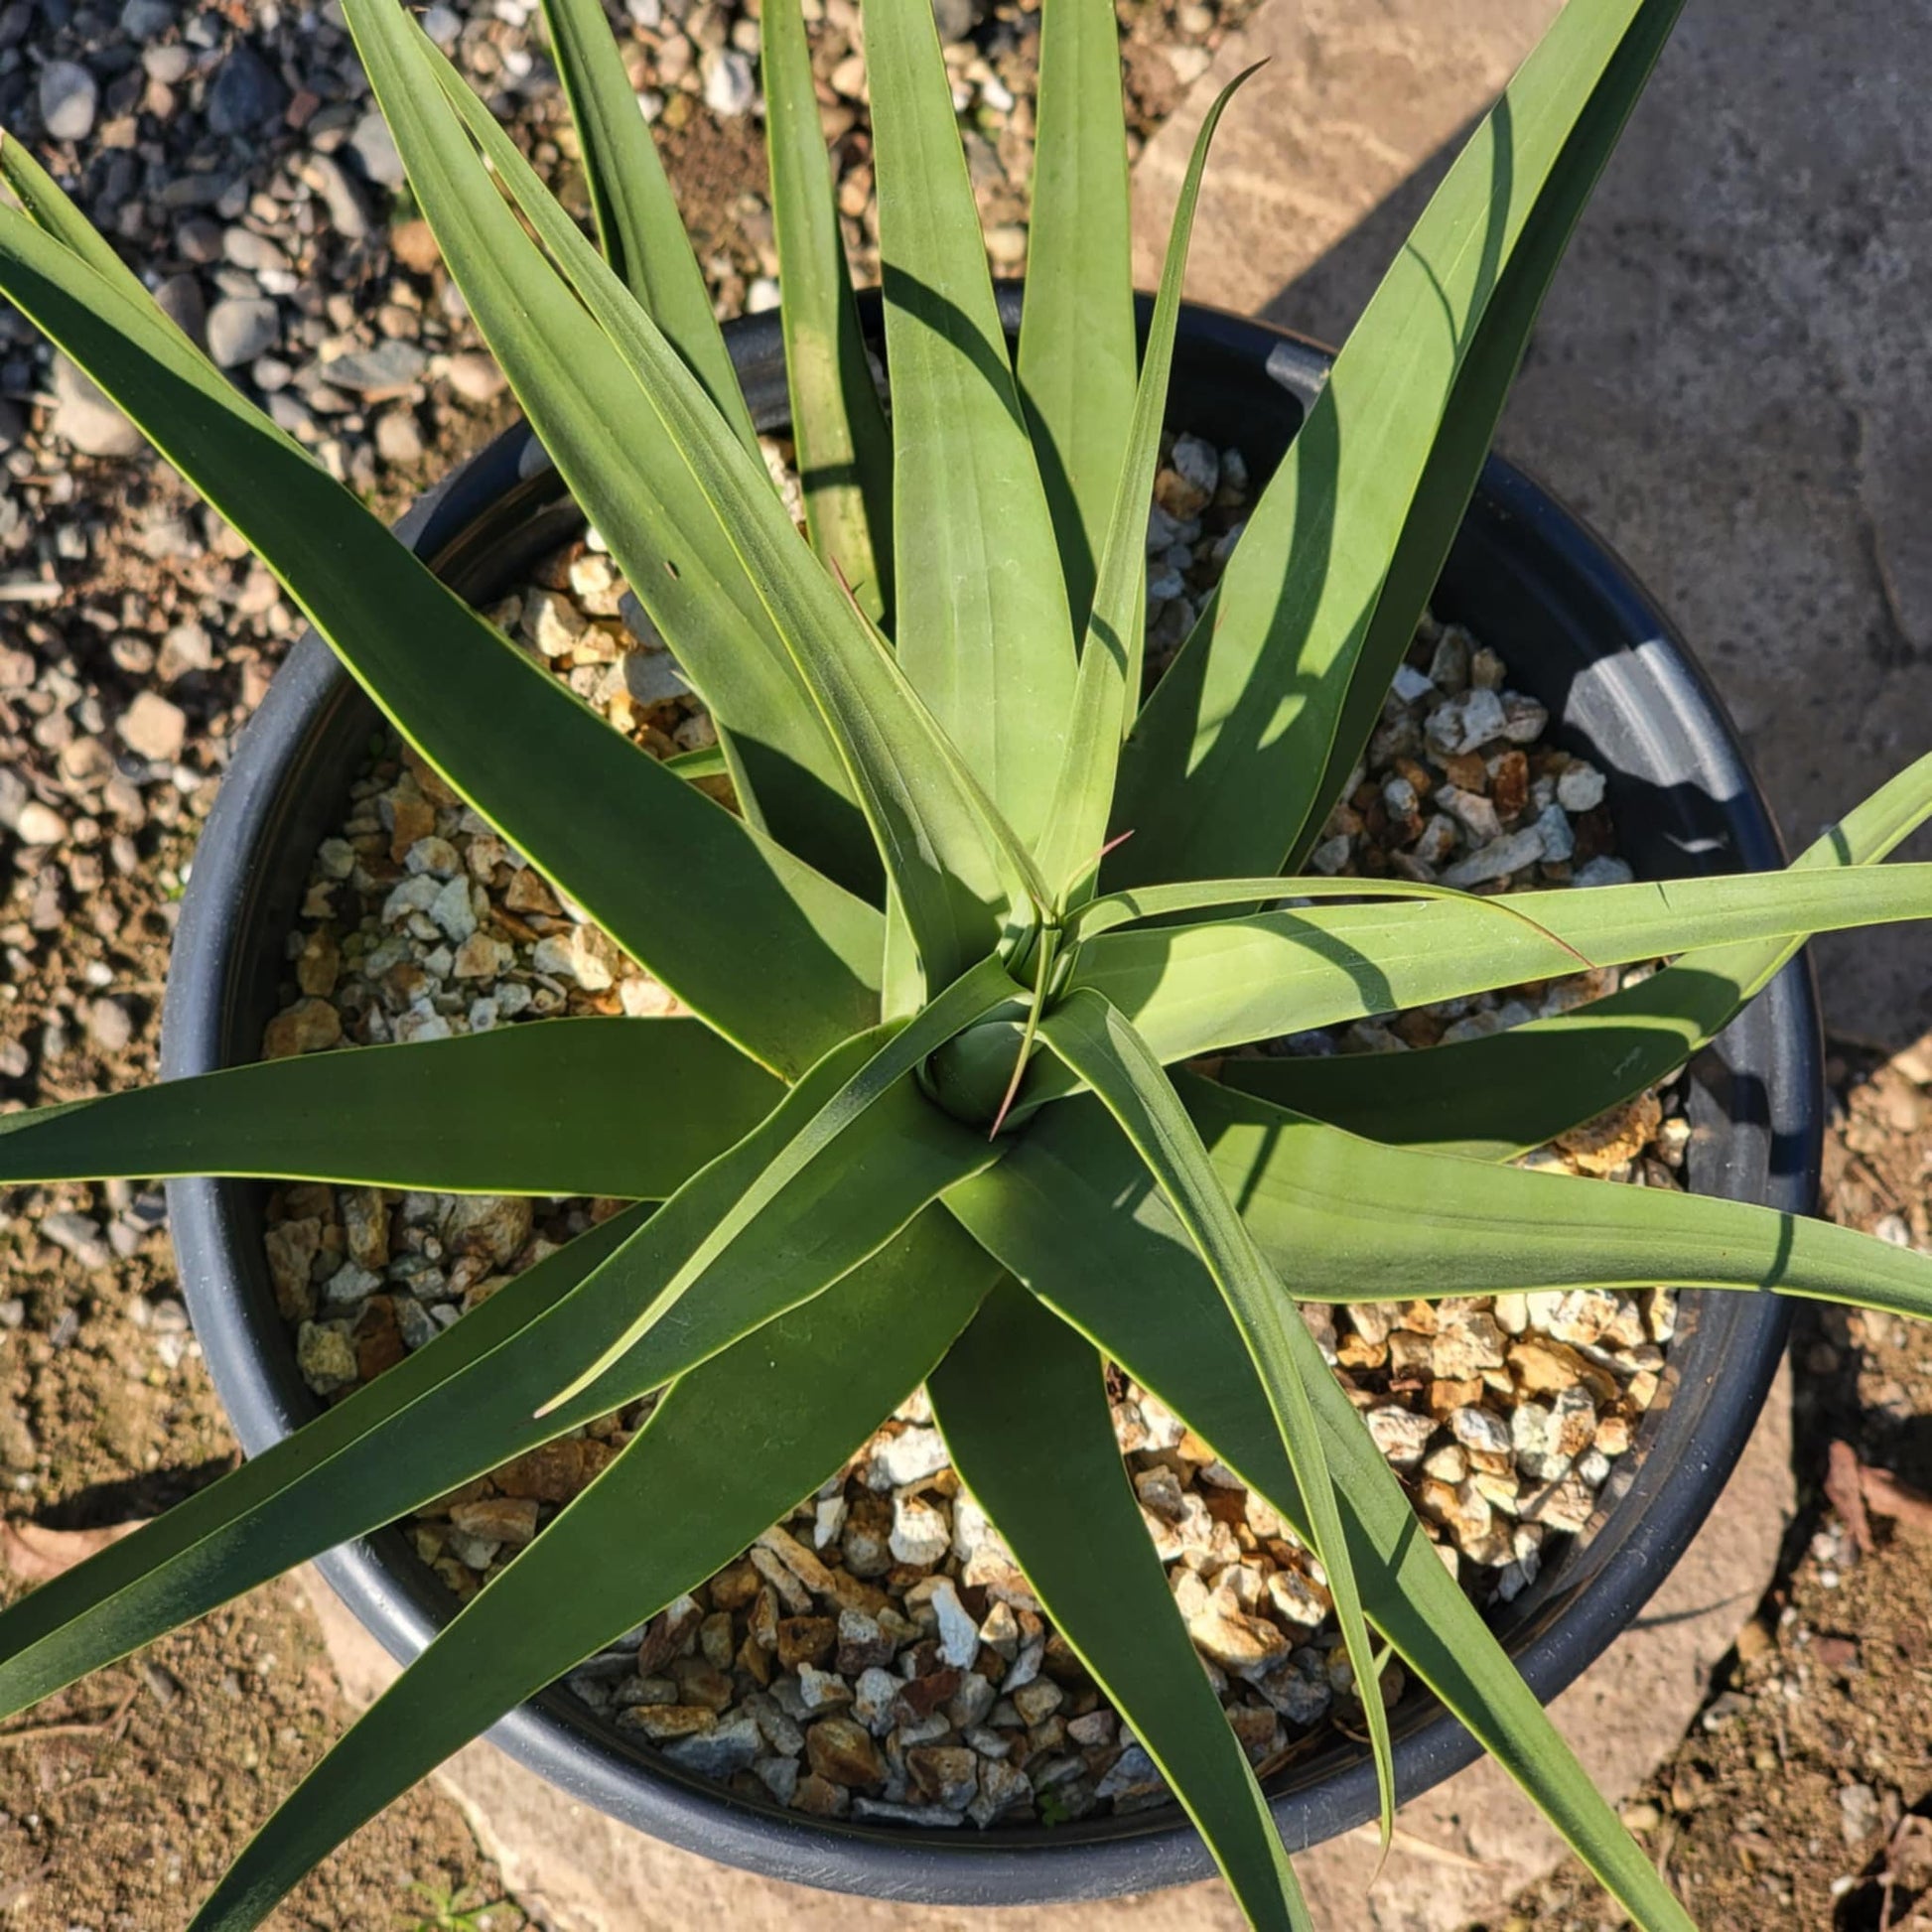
x: 1732, y: 382
x: 1326, y: 299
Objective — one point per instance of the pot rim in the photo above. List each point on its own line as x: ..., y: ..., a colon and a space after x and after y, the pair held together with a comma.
x: 1586, y: 1603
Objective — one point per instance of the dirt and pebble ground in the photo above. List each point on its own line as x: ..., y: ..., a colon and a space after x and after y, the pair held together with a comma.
x: 1801, y: 1799
x: 231, y: 151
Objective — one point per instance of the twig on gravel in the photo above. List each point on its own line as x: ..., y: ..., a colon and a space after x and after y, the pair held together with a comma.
x: 100, y: 1727
x: 1419, y: 1848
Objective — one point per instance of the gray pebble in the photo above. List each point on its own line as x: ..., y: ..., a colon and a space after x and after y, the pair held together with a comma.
x: 181, y: 299
x: 717, y: 1753
x: 1497, y: 860
x: 167, y: 64
x: 1579, y: 787
x: 1559, y: 837
x: 347, y: 200
x: 80, y: 1237
x: 110, y: 1025
x: 142, y: 20
x: 244, y: 95
x: 84, y: 417
x: 652, y: 677
x: 956, y: 18
x: 239, y: 329
x: 374, y: 147
x: 728, y: 85
x: 69, y: 96
x: 1603, y: 872
x: 253, y: 251
x: 391, y: 364
x: 1463, y: 723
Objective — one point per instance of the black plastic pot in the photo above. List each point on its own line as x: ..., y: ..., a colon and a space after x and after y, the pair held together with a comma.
x: 1575, y: 630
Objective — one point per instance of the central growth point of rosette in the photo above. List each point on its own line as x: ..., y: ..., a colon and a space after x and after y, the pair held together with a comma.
x: 976, y: 1076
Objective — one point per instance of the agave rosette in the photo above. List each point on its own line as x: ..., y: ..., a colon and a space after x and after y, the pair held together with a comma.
x: 928, y: 1119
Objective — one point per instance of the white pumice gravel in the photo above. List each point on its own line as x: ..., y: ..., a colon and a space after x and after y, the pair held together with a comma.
x: 877, y: 1655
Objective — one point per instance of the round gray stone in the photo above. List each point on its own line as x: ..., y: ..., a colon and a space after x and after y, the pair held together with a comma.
x: 68, y: 96
x: 956, y: 18
x: 241, y: 328
x: 179, y: 297
x: 85, y: 419
x: 374, y: 147
x: 244, y: 95
x: 142, y: 20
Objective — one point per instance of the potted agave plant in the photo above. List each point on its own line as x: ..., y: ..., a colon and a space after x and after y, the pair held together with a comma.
x: 940, y: 1107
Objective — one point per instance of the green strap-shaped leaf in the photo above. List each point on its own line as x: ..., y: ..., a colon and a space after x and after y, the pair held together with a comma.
x: 1221, y: 772
x: 621, y: 837
x: 940, y: 849
x: 1060, y: 1212
x: 462, y: 1405
x: 637, y: 218
x: 630, y: 1108
x: 1193, y: 989
x: 1108, y: 686
x: 885, y: 1060
x: 1369, y: 659
x: 727, y: 1452
x: 838, y: 427
x: 469, y: 1400
x: 52, y: 211
x: 1140, y: 902
x: 583, y: 379
x: 1496, y: 1097
x: 1077, y: 353
x: 707, y: 761
x: 1021, y: 1402
x: 844, y: 1162
x: 983, y: 630
x: 1099, y: 1045
x: 1355, y: 1221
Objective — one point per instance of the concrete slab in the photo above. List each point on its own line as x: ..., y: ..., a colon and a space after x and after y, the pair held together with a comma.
x: 1732, y: 379
x: 1462, y: 1850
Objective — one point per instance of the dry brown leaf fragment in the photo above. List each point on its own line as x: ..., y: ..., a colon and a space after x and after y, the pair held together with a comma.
x: 1885, y: 1495
x: 1843, y: 1492
x: 1616, y: 1135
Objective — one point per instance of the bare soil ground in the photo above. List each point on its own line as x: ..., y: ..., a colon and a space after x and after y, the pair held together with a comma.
x: 1801, y: 1800
x: 123, y: 1799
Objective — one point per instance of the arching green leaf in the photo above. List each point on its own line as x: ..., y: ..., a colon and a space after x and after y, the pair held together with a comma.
x: 621, y: 837
x: 552, y: 1107
x: 983, y: 630
x: 1229, y: 756
x: 727, y: 1452
x: 1077, y: 353
x: 1104, y: 1050
x: 638, y: 218
x: 838, y: 426
x: 1021, y: 1402
x: 1497, y: 1097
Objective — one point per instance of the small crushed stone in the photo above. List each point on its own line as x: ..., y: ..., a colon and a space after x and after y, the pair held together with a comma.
x: 879, y: 1655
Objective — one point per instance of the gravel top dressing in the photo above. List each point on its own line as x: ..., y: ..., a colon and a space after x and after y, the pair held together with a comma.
x: 877, y: 1655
